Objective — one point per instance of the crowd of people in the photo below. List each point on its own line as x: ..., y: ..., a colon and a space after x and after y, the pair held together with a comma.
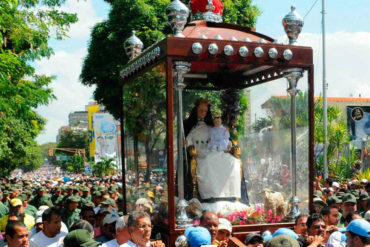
x: 89, y: 212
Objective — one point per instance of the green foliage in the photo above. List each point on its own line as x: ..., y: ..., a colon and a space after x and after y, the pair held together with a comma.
x: 339, y: 161
x: 106, y: 55
x: 73, y: 164
x: 74, y: 139
x: 104, y: 167
x: 25, y: 28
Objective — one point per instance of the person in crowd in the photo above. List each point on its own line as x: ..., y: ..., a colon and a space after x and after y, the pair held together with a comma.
x: 50, y: 235
x: 140, y: 229
x: 350, y: 217
x: 80, y: 238
x: 318, y: 204
x: 316, y: 230
x: 41, y: 198
x: 16, y: 206
x: 87, y: 213
x: 349, y: 205
x: 16, y: 234
x: 209, y: 220
x: 197, y: 236
x: 122, y: 234
x: 71, y: 213
x: 108, y: 228
x: 331, y: 218
x: 358, y: 233
x: 3, y: 209
x: 300, y: 226
x: 224, y: 232
x: 253, y: 240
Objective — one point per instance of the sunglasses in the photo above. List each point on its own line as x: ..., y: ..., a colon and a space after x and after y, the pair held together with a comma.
x: 319, y: 226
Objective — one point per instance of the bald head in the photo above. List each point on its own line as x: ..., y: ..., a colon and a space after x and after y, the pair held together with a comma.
x: 209, y: 220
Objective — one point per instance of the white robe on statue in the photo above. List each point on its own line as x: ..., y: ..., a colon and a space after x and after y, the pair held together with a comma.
x: 218, y: 173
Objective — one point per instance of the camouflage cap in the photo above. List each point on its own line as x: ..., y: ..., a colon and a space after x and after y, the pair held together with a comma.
x: 333, y: 200
x: 109, y: 201
x: 73, y: 199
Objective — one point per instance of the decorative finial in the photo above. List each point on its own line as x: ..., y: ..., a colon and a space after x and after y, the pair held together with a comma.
x: 292, y: 24
x: 211, y: 10
x: 177, y: 14
x: 133, y: 46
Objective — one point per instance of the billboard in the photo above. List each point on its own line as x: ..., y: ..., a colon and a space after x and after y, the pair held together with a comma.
x: 358, y: 119
x: 105, y: 136
x: 90, y: 111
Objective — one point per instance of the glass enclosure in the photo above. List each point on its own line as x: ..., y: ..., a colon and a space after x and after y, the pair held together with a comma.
x: 145, y: 144
x: 258, y: 121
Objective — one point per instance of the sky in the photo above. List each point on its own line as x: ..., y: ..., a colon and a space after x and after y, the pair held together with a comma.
x: 347, y: 51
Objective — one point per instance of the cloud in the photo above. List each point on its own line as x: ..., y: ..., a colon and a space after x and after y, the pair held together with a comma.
x: 71, y: 94
x: 87, y: 17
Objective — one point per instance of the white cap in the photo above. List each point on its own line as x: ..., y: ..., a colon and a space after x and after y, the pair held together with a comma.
x: 364, y: 181
x: 335, y: 184
x: 224, y: 224
x: 110, y: 218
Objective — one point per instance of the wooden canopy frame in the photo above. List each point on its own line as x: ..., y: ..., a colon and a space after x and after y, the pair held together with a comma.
x: 223, y: 71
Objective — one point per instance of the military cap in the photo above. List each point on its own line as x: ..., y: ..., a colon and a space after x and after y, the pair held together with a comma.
x: 333, y: 199
x: 80, y: 237
x: 85, y: 189
x: 317, y: 193
x: 89, y: 204
x: 349, y: 197
x: 364, y: 196
x: 109, y: 201
x: 73, y: 199
x: 6, y: 192
x: 97, y: 193
x: 112, y: 190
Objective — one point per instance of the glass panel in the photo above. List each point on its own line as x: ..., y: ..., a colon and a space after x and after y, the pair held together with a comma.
x: 235, y: 175
x: 145, y: 140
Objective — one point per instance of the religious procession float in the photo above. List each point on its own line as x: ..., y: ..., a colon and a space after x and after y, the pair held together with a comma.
x: 222, y: 117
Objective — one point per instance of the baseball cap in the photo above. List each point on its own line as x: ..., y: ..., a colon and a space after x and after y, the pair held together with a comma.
x: 197, y: 236
x: 224, y: 224
x: 282, y: 241
x: 359, y: 227
x: 143, y: 201
x: 16, y: 202
x: 252, y: 236
x: 110, y: 218
x: 285, y: 231
x: 82, y: 224
x: 349, y: 198
x: 335, y: 184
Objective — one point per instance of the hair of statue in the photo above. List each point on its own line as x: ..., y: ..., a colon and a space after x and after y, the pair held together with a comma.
x: 192, y: 120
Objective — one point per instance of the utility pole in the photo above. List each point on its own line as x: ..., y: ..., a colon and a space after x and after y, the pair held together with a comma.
x: 324, y: 87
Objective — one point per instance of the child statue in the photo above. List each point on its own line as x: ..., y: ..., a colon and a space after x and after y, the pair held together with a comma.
x: 219, y: 136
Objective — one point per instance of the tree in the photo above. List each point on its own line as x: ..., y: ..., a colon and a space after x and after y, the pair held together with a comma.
x: 106, y: 51
x: 75, y: 139
x: 104, y: 167
x: 25, y: 28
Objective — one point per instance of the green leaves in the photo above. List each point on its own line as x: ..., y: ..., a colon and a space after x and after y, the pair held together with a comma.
x: 25, y: 29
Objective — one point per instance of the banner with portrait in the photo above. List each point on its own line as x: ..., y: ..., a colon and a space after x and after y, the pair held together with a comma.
x: 358, y: 118
x: 105, y: 137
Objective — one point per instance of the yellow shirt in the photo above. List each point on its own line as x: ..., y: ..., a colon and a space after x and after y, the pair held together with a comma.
x: 29, y: 221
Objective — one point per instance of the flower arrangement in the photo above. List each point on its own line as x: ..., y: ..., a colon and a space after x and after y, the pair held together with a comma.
x: 253, y: 215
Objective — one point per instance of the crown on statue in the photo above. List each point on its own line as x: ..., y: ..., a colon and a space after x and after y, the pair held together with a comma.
x: 210, y: 9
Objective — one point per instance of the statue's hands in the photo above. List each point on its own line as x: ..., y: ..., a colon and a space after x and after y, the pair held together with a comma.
x: 157, y: 243
x: 192, y: 151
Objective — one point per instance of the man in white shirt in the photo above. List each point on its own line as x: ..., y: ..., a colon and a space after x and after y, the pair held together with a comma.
x: 122, y: 235
x: 50, y: 236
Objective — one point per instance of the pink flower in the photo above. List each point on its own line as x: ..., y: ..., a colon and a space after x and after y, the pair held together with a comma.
x: 242, y: 222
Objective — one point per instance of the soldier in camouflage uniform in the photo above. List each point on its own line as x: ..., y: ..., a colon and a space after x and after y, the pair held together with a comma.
x: 70, y: 212
x: 41, y: 198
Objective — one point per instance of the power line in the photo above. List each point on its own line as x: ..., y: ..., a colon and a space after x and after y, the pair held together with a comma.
x: 313, y: 5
